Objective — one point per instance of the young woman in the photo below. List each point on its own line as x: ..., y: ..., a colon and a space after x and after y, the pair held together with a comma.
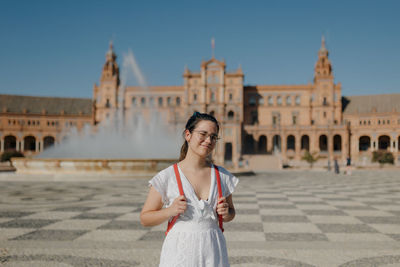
x: 195, y: 239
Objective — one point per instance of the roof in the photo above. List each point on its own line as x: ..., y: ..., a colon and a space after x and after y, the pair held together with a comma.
x: 371, y: 103
x: 52, y: 105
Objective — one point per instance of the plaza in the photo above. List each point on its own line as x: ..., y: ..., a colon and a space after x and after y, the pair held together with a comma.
x: 284, y: 218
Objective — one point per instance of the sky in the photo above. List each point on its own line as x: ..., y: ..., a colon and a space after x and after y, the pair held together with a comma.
x: 57, y: 48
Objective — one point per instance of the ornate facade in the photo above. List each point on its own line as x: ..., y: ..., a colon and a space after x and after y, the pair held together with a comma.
x: 257, y: 121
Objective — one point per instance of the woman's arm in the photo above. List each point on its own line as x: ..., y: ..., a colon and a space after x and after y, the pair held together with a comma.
x: 226, y: 209
x: 153, y: 214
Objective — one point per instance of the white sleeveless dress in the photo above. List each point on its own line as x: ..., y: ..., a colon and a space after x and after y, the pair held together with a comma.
x: 195, y: 240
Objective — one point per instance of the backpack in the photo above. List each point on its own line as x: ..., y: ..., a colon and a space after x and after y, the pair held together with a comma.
x: 178, y: 180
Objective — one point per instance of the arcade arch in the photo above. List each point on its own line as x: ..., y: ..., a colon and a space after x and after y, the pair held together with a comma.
x: 48, y: 141
x: 337, y: 143
x: 364, y: 143
x: 323, y: 143
x: 10, y: 143
x: 383, y: 142
x: 29, y: 143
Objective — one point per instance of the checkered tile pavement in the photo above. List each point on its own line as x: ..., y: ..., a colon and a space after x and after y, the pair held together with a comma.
x: 291, y: 207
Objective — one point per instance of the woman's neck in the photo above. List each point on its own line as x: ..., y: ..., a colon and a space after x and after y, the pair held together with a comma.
x: 195, y: 162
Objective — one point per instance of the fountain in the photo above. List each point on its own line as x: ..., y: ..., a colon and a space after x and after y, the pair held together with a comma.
x: 126, y: 143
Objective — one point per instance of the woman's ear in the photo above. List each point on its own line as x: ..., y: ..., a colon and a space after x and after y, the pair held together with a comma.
x: 188, y: 135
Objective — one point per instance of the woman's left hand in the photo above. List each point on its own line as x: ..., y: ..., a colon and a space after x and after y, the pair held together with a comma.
x: 223, y: 207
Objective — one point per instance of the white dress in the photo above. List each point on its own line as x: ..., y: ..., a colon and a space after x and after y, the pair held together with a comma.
x: 196, y: 239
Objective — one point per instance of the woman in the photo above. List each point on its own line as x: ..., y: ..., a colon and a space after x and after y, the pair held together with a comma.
x: 195, y: 239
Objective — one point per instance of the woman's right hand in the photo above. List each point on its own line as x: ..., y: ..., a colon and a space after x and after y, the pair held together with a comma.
x: 178, y: 206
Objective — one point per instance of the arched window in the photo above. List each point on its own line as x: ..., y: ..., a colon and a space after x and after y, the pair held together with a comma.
x: 48, y: 141
x: 10, y: 143
x: 270, y: 101
x: 252, y: 100
x: 383, y: 142
x: 337, y: 143
x: 212, y: 97
x: 305, y: 142
x: 297, y: 100
x: 262, y: 144
x: 29, y: 143
x: 290, y: 142
x: 323, y: 143
x: 279, y: 100
x: 364, y: 143
x: 231, y: 115
x: 288, y: 100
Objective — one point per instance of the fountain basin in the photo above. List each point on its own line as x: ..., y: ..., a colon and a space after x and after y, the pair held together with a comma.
x: 138, y: 167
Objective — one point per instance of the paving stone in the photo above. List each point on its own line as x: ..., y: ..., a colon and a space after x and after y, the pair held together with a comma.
x: 345, y: 228
x: 52, y: 235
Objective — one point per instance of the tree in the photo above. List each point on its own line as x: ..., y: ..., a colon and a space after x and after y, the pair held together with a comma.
x: 310, y: 158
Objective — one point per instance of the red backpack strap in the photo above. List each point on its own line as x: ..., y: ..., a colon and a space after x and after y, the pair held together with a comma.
x: 179, y: 182
x: 217, y: 175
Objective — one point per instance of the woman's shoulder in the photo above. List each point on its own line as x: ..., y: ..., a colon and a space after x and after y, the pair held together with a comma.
x: 223, y: 171
x: 166, y: 173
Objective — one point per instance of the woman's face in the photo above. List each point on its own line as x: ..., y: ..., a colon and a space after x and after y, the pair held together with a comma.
x: 203, y: 138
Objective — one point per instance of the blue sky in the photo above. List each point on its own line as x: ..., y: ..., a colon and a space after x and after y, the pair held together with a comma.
x: 57, y: 48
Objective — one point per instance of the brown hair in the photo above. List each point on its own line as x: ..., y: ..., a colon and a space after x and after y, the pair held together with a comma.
x: 191, y: 125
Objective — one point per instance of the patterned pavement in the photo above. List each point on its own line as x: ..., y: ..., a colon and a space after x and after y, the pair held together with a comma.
x: 287, y: 218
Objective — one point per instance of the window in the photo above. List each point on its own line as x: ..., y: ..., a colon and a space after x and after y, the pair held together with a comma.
x: 107, y: 103
x: 194, y: 97
x: 270, y: 101
x: 312, y: 98
x: 178, y: 101
x: 325, y: 102
x: 254, y: 117
x: 212, y: 97
x: 231, y: 115
x: 133, y: 101
x: 288, y: 100
x: 252, y: 100
x: 279, y: 100
x: 169, y: 101
x: 230, y: 96
x: 294, y: 119
x: 261, y: 101
x: 297, y: 100
x: 160, y: 101
x: 324, y: 114
x: 151, y: 101
x: 143, y: 101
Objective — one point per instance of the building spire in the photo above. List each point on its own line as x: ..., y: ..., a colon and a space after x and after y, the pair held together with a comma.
x: 323, y: 67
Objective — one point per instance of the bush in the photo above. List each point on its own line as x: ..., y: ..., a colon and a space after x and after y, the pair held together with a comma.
x: 7, y: 155
x: 382, y: 157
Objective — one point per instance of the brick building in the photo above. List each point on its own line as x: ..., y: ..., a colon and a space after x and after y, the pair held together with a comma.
x: 259, y: 123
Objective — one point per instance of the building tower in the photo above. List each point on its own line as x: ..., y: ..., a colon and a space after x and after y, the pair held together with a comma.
x: 326, y: 96
x: 106, y: 94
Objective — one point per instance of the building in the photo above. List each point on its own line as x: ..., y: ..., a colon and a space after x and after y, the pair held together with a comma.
x: 262, y: 121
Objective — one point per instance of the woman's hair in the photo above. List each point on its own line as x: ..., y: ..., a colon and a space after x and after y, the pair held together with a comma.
x: 191, y: 125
